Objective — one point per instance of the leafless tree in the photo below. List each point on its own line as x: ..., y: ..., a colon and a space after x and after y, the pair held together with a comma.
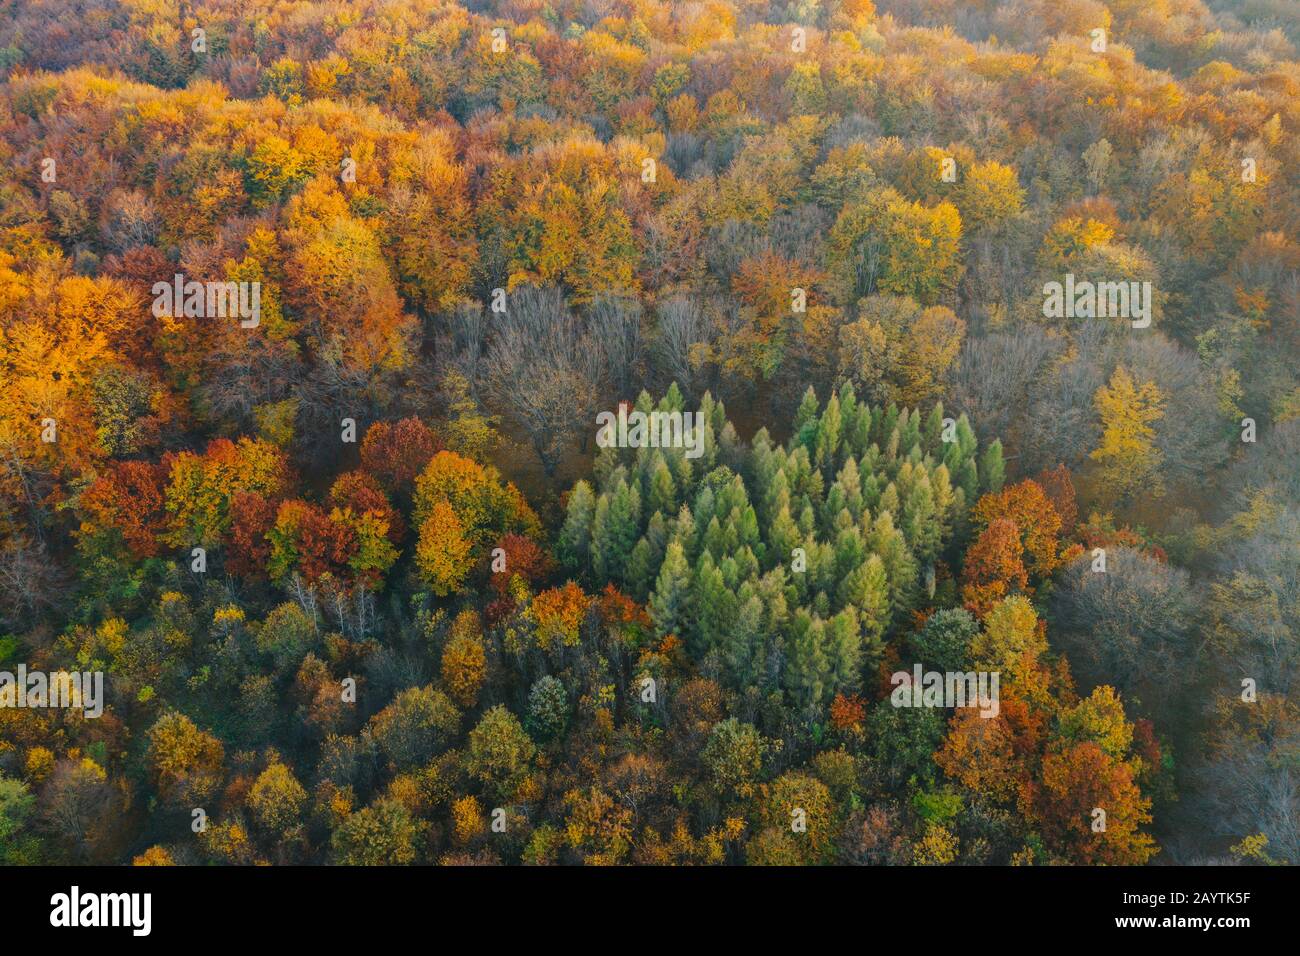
x: 1131, y: 626
x: 682, y: 326
x: 544, y: 372
x: 30, y: 579
x: 130, y: 219
x: 615, y: 323
x: 993, y: 377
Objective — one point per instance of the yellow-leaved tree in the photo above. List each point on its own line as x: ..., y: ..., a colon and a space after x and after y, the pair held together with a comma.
x: 443, y: 553
x: 1128, y: 460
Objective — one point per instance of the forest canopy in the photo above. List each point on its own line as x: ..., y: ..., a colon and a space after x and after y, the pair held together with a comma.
x: 308, y: 313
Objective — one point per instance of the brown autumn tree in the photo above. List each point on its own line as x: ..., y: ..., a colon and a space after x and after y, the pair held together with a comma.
x: 1073, y: 785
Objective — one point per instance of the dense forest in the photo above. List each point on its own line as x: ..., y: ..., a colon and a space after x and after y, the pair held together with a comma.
x: 366, y: 585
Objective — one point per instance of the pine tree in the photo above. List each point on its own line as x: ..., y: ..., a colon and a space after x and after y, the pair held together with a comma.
x: 844, y: 649
x: 663, y: 490
x: 992, y: 469
x: 670, y: 604
x: 622, y: 529
x: 682, y: 529
x: 715, y: 607
x: 640, y: 570
x: 807, y: 670
x: 784, y: 537
x: 826, y: 445
x: 849, y: 482
x: 742, y: 642
x: 656, y: 535
x: 900, y: 566
x: 933, y: 431
x: 921, y: 522
x: 601, y: 540
x: 850, y: 552
x: 574, y: 546
x: 866, y: 588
